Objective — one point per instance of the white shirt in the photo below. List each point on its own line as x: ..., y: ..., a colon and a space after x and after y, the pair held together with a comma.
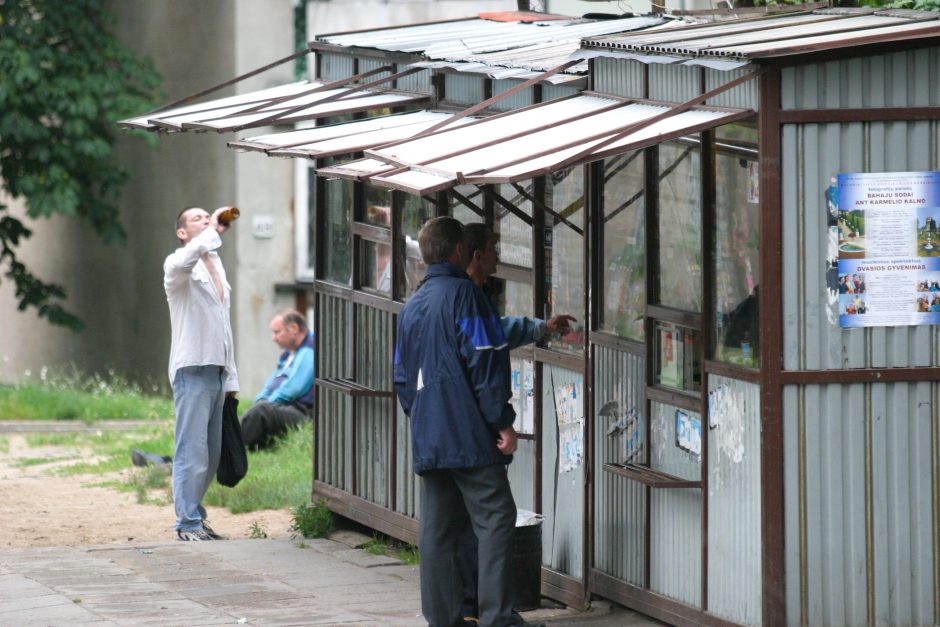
x: 200, y: 322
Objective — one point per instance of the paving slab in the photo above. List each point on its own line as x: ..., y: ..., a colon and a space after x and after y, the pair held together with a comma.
x: 276, y: 582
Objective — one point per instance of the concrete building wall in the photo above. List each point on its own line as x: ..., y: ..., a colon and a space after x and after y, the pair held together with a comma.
x: 117, y: 290
x: 325, y: 16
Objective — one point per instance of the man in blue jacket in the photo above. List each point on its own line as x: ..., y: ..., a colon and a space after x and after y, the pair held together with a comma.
x: 287, y: 397
x: 452, y: 379
x: 480, y: 242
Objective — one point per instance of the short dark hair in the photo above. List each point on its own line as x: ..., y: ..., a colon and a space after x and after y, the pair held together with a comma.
x: 438, y: 239
x: 476, y: 236
x: 292, y: 316
x: 180, y: 222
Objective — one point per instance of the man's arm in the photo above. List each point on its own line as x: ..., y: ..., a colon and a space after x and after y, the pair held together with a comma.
x: 485, y: 350
x: 298, y: 380
x: 521, y: 331
x: 179, y: 265
x: 263, y: 394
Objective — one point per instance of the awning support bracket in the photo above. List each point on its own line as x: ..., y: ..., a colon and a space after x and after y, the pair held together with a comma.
x: 281, y: 114
x: 541, y: 205
x: 229, y: 82
x: 492, y: 193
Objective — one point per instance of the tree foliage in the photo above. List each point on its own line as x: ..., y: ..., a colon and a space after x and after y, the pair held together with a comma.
x: 64, y: 82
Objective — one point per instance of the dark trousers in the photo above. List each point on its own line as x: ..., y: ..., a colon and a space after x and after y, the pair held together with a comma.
x: 448, y: 499
x: 265, y: 421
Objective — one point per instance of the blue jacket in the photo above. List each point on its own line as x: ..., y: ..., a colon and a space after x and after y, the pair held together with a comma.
x: 292, y: 382
x: 452, y: 373
x: 521, y: 331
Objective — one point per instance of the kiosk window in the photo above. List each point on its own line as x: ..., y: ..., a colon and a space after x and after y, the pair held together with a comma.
x: 515, y: 236
x: 623, y: 233
x: 564, y: 253
x: 415, y: 212
x: 737, y: 246
x: 680, y: 219
x: 676, y: 357
x: 338, y: 201
x: 375, y: 266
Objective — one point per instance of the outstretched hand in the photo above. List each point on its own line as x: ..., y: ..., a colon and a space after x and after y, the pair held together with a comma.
x: 560, y: 323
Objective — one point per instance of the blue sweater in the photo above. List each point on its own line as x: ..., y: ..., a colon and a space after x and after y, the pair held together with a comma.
x: 452, y: 373
x: 292, y: 382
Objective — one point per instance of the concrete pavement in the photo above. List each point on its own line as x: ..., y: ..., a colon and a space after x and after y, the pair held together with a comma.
x: 254, y: 582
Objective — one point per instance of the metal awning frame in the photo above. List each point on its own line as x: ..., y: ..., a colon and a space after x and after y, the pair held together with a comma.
x: 350, y: 93
x: 590, y: 153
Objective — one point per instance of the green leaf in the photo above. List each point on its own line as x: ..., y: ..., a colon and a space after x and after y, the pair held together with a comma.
x: 64, y: 80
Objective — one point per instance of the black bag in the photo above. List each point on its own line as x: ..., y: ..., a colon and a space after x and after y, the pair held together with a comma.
x: 233, y: 465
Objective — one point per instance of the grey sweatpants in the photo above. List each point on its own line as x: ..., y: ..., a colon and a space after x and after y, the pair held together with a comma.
x: 447, y: 498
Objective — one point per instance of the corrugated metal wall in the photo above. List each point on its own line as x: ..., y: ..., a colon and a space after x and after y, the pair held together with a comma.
x: 744, y: 96
x: 550, y: 92
x: 861, y: 477
x: 374, y: 415
x: 522, y: 475
x: 861, y: 504
x: 674, y: 83
x: 812, y: 154
x: 406, y: 481
x: 522, y: 99
x: 419, y: 82
x: 562, y: 490
x: 900, y: 79
x: 463, y: 89
x: 371, y: 63
x: 619, y: 503
x: 619, y: 77
x: 333, y: 408
x: 734, y: 497
x: 675, y: 514
x: 334, y: 67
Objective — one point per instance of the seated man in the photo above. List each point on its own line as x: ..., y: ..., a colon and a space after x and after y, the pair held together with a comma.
x: 287, y: 398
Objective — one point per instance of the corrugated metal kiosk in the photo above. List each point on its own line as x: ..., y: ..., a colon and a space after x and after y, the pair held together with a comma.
x: 725, y: 440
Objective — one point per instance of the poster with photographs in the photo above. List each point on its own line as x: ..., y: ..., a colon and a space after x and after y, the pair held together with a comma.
x: 889, y: 248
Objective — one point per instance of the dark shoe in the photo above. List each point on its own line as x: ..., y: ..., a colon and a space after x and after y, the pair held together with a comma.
x: 193, y: 535
x: 516, y: 620
x: 140, y: 458
x: 212, y: 534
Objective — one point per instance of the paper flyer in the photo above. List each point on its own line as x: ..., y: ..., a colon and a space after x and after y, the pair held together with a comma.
x: 889, y: 248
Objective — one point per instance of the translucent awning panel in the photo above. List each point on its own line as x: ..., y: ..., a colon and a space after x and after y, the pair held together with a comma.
x: 285, y: 105
x: 521, y: 145
x: 346, y: 138
x: 357, y: 170
x: 241, y: 102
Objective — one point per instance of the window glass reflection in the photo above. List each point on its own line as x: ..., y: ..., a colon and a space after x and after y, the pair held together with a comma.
x: 623, y: 232
x: 338, y: 200
x: 515, y: 235
x: 680, y: 216
x: 564, y: 254
x: 737, y: 247
x: 415, y: 212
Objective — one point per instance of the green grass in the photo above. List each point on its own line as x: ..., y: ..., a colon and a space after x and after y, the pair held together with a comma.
x: 277, y: 477
x: 73, y: 396
x: 313, y: 521
x: 375, y: 546
x: 4, y: 444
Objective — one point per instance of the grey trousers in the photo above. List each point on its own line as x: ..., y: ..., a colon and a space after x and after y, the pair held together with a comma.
x: 448, y: 497
x: 265, y: 421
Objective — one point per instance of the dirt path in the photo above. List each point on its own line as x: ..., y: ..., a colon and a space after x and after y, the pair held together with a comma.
x: 39, y: 508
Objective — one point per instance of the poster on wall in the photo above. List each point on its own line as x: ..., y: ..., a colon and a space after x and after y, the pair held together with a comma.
x: 889, y: 248
x: 523, y: 386
x: 569, y: 411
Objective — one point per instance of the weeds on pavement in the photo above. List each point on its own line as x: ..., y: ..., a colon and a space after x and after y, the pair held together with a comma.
x: 313, y: 521
x: 257, y: 532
